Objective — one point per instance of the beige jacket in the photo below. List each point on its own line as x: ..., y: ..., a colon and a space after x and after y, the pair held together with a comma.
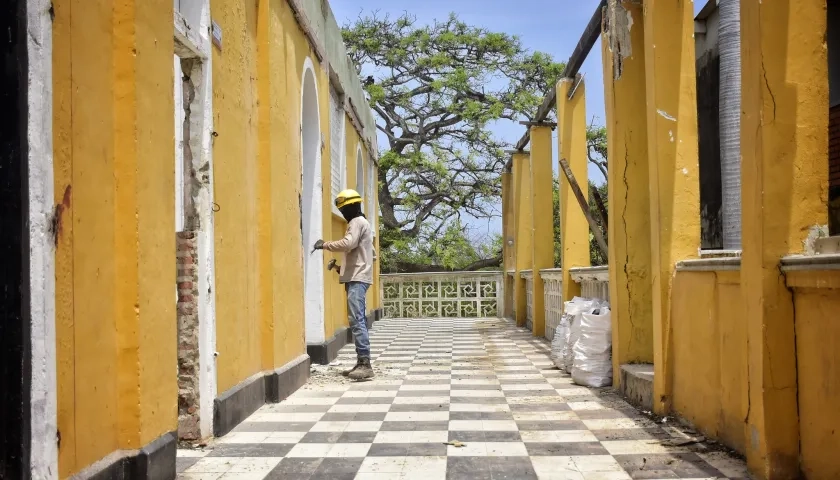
x: 359, y: 255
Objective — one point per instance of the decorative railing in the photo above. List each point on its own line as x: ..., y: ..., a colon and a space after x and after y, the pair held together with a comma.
x: 553, y: 295
x: 594, y: 281
x: 443, y: 295
x: 528, y: 276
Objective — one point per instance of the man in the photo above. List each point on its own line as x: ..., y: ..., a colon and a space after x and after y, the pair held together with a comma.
x: 356, y: 274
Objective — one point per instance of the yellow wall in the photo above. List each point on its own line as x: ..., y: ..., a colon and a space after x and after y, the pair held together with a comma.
x: 784, y: 164
x: 817, y: 303
x: 709, y: 324
x: 114, y: 174
x: 114, y: 160
x: 238, y: 328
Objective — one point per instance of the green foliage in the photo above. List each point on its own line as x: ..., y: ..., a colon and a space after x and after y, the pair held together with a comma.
x: 453, y: 249
x: 436, y: 90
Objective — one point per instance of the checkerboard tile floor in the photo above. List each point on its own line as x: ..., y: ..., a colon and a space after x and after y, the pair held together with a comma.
x: 484, y: 383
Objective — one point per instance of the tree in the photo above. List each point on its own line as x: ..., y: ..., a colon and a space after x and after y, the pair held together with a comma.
x: 437, y: 90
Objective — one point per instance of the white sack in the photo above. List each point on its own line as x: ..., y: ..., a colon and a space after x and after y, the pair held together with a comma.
x: 592, y: 365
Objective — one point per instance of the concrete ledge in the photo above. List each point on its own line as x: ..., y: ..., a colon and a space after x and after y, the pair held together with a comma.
x: 284, y: 381
x: 235, y: 405
x: 324, y: 353
x: 637, y: 384
x: 154, y: 461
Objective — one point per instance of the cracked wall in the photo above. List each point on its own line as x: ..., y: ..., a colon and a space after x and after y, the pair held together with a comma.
x: 629, y: 200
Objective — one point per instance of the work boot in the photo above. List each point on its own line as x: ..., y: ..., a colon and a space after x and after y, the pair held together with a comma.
x: 363, y: 370
x: 348, y: 372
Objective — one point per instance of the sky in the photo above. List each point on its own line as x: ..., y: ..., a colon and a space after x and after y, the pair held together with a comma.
x: 550, y: 26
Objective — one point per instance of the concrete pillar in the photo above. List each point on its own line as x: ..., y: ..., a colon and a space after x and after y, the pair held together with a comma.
x: 673, y: 165
x: 523, y: 231
x: 507, y: 242
x: 629, y: 201
x: 571, y: 139
x: 784, y: 151
x: 543, y: 218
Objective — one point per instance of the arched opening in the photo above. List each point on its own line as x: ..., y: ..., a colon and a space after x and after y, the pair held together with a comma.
x: 311, y: 207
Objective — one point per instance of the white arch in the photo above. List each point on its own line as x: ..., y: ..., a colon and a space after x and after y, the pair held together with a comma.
x: 311, y: 204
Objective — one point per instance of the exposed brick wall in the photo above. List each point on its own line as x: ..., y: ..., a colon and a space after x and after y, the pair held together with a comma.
x: 834, y: 146
x: 188, y: 361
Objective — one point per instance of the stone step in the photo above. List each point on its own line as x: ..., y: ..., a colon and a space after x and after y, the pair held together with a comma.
x: 637, y: 384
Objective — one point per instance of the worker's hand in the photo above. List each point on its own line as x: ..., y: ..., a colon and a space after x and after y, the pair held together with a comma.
x: 319, y: 245
x: 331, y: 265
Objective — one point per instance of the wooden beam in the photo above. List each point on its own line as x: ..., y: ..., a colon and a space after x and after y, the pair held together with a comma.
x: 528, y: 123
x: 584, y: 46
x: 596, y: 230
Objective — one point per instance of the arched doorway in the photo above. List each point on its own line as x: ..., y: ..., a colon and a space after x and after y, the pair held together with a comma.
x: 311, y: 206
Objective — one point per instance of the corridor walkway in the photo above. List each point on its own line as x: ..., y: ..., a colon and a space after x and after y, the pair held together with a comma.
x: 483, y: 383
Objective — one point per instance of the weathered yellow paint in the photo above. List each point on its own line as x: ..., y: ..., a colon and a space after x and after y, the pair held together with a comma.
x: 709, y: 324
x: 287, y: 53
x: 673, y: 165
x: 628, y: 199
x: 85, y: 270
x: 543, y: 221
x: 784, y: 147
x: 235, y: 151
x: 265, y: 264
x: 507, y: 219
x: 818, y: 364
x: 508, y: 261
x: 114, y: 171
x: 524, y: 230
x: 63, y: 127
x: 155, y: 317
x: 571, y: 139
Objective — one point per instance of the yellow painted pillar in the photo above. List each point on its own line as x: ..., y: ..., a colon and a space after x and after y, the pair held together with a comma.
x: 543, y: 220
x: 507, y: 241
x: 673, y: 165
x: 571, y: 138
x: 144, y: 209
x: 784, y: 151
x: 523, y: 231
x: 629, y: 201
x: 265, y: 265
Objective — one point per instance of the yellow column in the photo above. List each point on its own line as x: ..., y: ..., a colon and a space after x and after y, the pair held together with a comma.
x: 629, y: 208
x: 265, y: 265
x: 543, y: 220
x: 507, y: 235
x: 674, y: 174
x: 523, y: 231
x: 784, y: 147
x: 574, y: 229
x: 144, y: 211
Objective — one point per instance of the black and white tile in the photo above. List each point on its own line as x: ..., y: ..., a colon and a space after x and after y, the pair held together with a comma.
x: 483, y: 383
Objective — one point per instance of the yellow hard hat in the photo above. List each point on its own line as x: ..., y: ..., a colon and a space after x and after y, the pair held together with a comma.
x: 347, y: 197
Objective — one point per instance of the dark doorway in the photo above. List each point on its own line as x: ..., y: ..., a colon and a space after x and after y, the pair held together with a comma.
x: 14, y: 245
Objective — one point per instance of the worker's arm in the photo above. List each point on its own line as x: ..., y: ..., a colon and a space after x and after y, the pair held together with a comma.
x: 349, y: 242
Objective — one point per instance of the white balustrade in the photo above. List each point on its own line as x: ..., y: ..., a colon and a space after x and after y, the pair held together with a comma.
x: 442, y: 295
x: 553, y: 294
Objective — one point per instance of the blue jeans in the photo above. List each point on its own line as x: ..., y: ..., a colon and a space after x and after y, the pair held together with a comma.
x: 357, y: 313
